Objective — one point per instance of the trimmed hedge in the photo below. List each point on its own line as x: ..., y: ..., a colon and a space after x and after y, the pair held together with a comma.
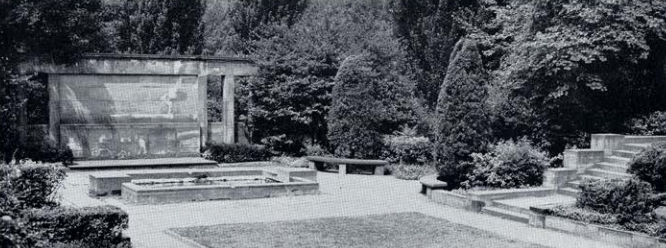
x: 408, y: 150
x: 236, y: 153
x: 45, y: 151
x: 77, y: 227
x: 650, y: 166
x: 28, y: 186
x: 630, y: 200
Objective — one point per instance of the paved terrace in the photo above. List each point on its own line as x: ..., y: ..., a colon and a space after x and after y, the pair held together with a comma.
x: 350, y: 195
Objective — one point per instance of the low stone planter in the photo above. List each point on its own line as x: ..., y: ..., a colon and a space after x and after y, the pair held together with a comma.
x: 107, y: 184
x: 540, y: 217
x: 457, y: 200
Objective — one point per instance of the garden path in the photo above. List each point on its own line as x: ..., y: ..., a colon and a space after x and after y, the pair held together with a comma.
x: 350, y: 195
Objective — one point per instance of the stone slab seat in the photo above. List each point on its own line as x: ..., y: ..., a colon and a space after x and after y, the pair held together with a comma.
x: 317, y: 163
x: 430, y: 183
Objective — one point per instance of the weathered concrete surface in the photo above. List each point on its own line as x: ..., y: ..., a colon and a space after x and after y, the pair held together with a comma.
x: 350, y: 195
x: 109, y: 106
x: 147, y: 65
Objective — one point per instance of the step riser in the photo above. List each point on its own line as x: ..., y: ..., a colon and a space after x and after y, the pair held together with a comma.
x: 616, y: 160
x: 569, y: 193
x: 605, y: 175
x: 506, y: 216
x: 644, y: 139
x: 633, y: 148
x: 624, y: 154
x: 622, y: 169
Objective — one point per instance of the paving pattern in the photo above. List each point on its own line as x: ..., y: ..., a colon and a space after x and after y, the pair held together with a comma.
x: 348, y: 195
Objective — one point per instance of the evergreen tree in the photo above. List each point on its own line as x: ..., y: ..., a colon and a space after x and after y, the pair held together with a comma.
x: 463, y: 118
x: 428, y: 31
x: 162, y: 27
x: 364, y: 107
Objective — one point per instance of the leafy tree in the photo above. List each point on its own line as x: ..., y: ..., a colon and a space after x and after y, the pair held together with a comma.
x: 428, y: 31
x: 56, y: 30
x: 578, y: 67
x: 462, y: 113
x: 363, y: 108
x: 247, y: 21
x: 287, y: 103
x: 162, y: 27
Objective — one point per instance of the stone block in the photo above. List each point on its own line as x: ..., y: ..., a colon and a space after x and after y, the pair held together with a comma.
x: 581, y: 159
x: 606, y: 142
x: 107, y: 184
x: 287, y: 173
x: 558, y: 177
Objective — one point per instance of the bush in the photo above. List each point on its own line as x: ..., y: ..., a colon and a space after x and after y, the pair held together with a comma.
x: 316, y: 150
x: 29, y: 186
x: 235, y: 153
x: 509, y: 165
x: 367, y: 103
x: 653, y: 124
x: 407, y: 150
x: 45, y: 151
x: 631, y: 200
x: 411, y: 171
x: 650, y: 166
x: 89, y: 226
x: 462, y: 112
x: 13, y: 234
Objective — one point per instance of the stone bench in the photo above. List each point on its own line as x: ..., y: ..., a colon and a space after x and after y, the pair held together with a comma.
x: 317, y: 163
x: 430, y: 183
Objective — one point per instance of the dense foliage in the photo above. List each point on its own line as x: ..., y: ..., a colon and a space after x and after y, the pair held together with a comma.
x: 652, y: 124
x: 235, y: 153
x: 408, y: 150
x: 563, y: 65
x: 287, y: 104
x: 650, y: 166
x: 366, y: 105
x: 509, y: 164
x: 157, y: 26
x: 631, y: 200
x: 463, y: 114
x: 28, y: 186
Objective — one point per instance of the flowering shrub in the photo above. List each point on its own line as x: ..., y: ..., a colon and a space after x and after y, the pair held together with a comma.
x: 509, y: 164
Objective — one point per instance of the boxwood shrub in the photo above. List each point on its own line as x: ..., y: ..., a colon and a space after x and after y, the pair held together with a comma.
x: 630, y: 200
x: 650, y: 166
x: 92, y: 227
x: 408, y: 150
x: 236, y: 153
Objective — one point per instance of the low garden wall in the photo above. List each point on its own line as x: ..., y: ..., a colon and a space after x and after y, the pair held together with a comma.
x: 540, y: 217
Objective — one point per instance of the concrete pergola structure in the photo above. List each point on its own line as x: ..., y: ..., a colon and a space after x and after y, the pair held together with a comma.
x: 117, y: 105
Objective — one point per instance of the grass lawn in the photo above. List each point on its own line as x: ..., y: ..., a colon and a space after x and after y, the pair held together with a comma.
x: 389, y: 230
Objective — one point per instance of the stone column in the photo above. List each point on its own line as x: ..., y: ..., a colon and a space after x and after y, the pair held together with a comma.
x: 202, y: 108
x: 228, y: 108
x: 54, y: 108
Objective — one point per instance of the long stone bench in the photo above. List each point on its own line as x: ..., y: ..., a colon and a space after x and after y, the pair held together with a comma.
x: 317, y: 163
